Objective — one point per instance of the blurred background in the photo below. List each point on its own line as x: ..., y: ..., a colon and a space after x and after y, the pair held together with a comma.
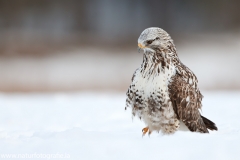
x: 82, y: 45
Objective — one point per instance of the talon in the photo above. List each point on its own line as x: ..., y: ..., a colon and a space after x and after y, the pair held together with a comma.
x: 145, y: 130
x: 149, y: 132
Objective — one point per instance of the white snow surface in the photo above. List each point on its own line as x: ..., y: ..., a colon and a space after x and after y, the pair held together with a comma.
x: 96, y: 126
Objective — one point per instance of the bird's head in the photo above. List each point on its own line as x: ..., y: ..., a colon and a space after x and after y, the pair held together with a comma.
x: 154, y: 38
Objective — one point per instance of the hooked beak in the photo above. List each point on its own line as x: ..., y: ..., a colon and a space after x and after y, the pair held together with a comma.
x: 141, y: 46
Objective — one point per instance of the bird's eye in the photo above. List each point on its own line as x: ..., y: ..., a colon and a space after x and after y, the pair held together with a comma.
x: 157, y: 38
x: 149, y: 41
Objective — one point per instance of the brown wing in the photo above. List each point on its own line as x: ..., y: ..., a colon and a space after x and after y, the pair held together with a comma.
x: 186, y: 99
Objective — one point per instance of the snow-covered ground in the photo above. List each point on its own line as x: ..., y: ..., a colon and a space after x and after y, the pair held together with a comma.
x: 96, y: 126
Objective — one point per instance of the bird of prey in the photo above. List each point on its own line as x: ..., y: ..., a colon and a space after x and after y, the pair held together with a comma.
x: 164, y: 92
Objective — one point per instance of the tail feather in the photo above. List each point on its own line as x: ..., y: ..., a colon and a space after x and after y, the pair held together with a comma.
x: 209, y: 124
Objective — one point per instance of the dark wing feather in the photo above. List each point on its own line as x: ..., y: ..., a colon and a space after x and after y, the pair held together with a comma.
x: 186, y: 100
x: 209, y: 124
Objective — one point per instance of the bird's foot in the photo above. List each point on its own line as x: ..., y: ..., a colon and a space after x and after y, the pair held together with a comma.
x: 145, y: 130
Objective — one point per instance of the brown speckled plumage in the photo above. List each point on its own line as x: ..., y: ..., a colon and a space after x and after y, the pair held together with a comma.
x: 164, y: 92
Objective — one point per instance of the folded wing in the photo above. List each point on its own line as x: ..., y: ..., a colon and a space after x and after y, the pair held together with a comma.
x: 186, y: 99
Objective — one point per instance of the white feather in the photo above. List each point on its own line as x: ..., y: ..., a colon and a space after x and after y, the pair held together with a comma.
x: 150, y: 85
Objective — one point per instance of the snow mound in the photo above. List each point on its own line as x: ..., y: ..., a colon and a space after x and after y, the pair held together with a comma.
x: 96, y: 126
